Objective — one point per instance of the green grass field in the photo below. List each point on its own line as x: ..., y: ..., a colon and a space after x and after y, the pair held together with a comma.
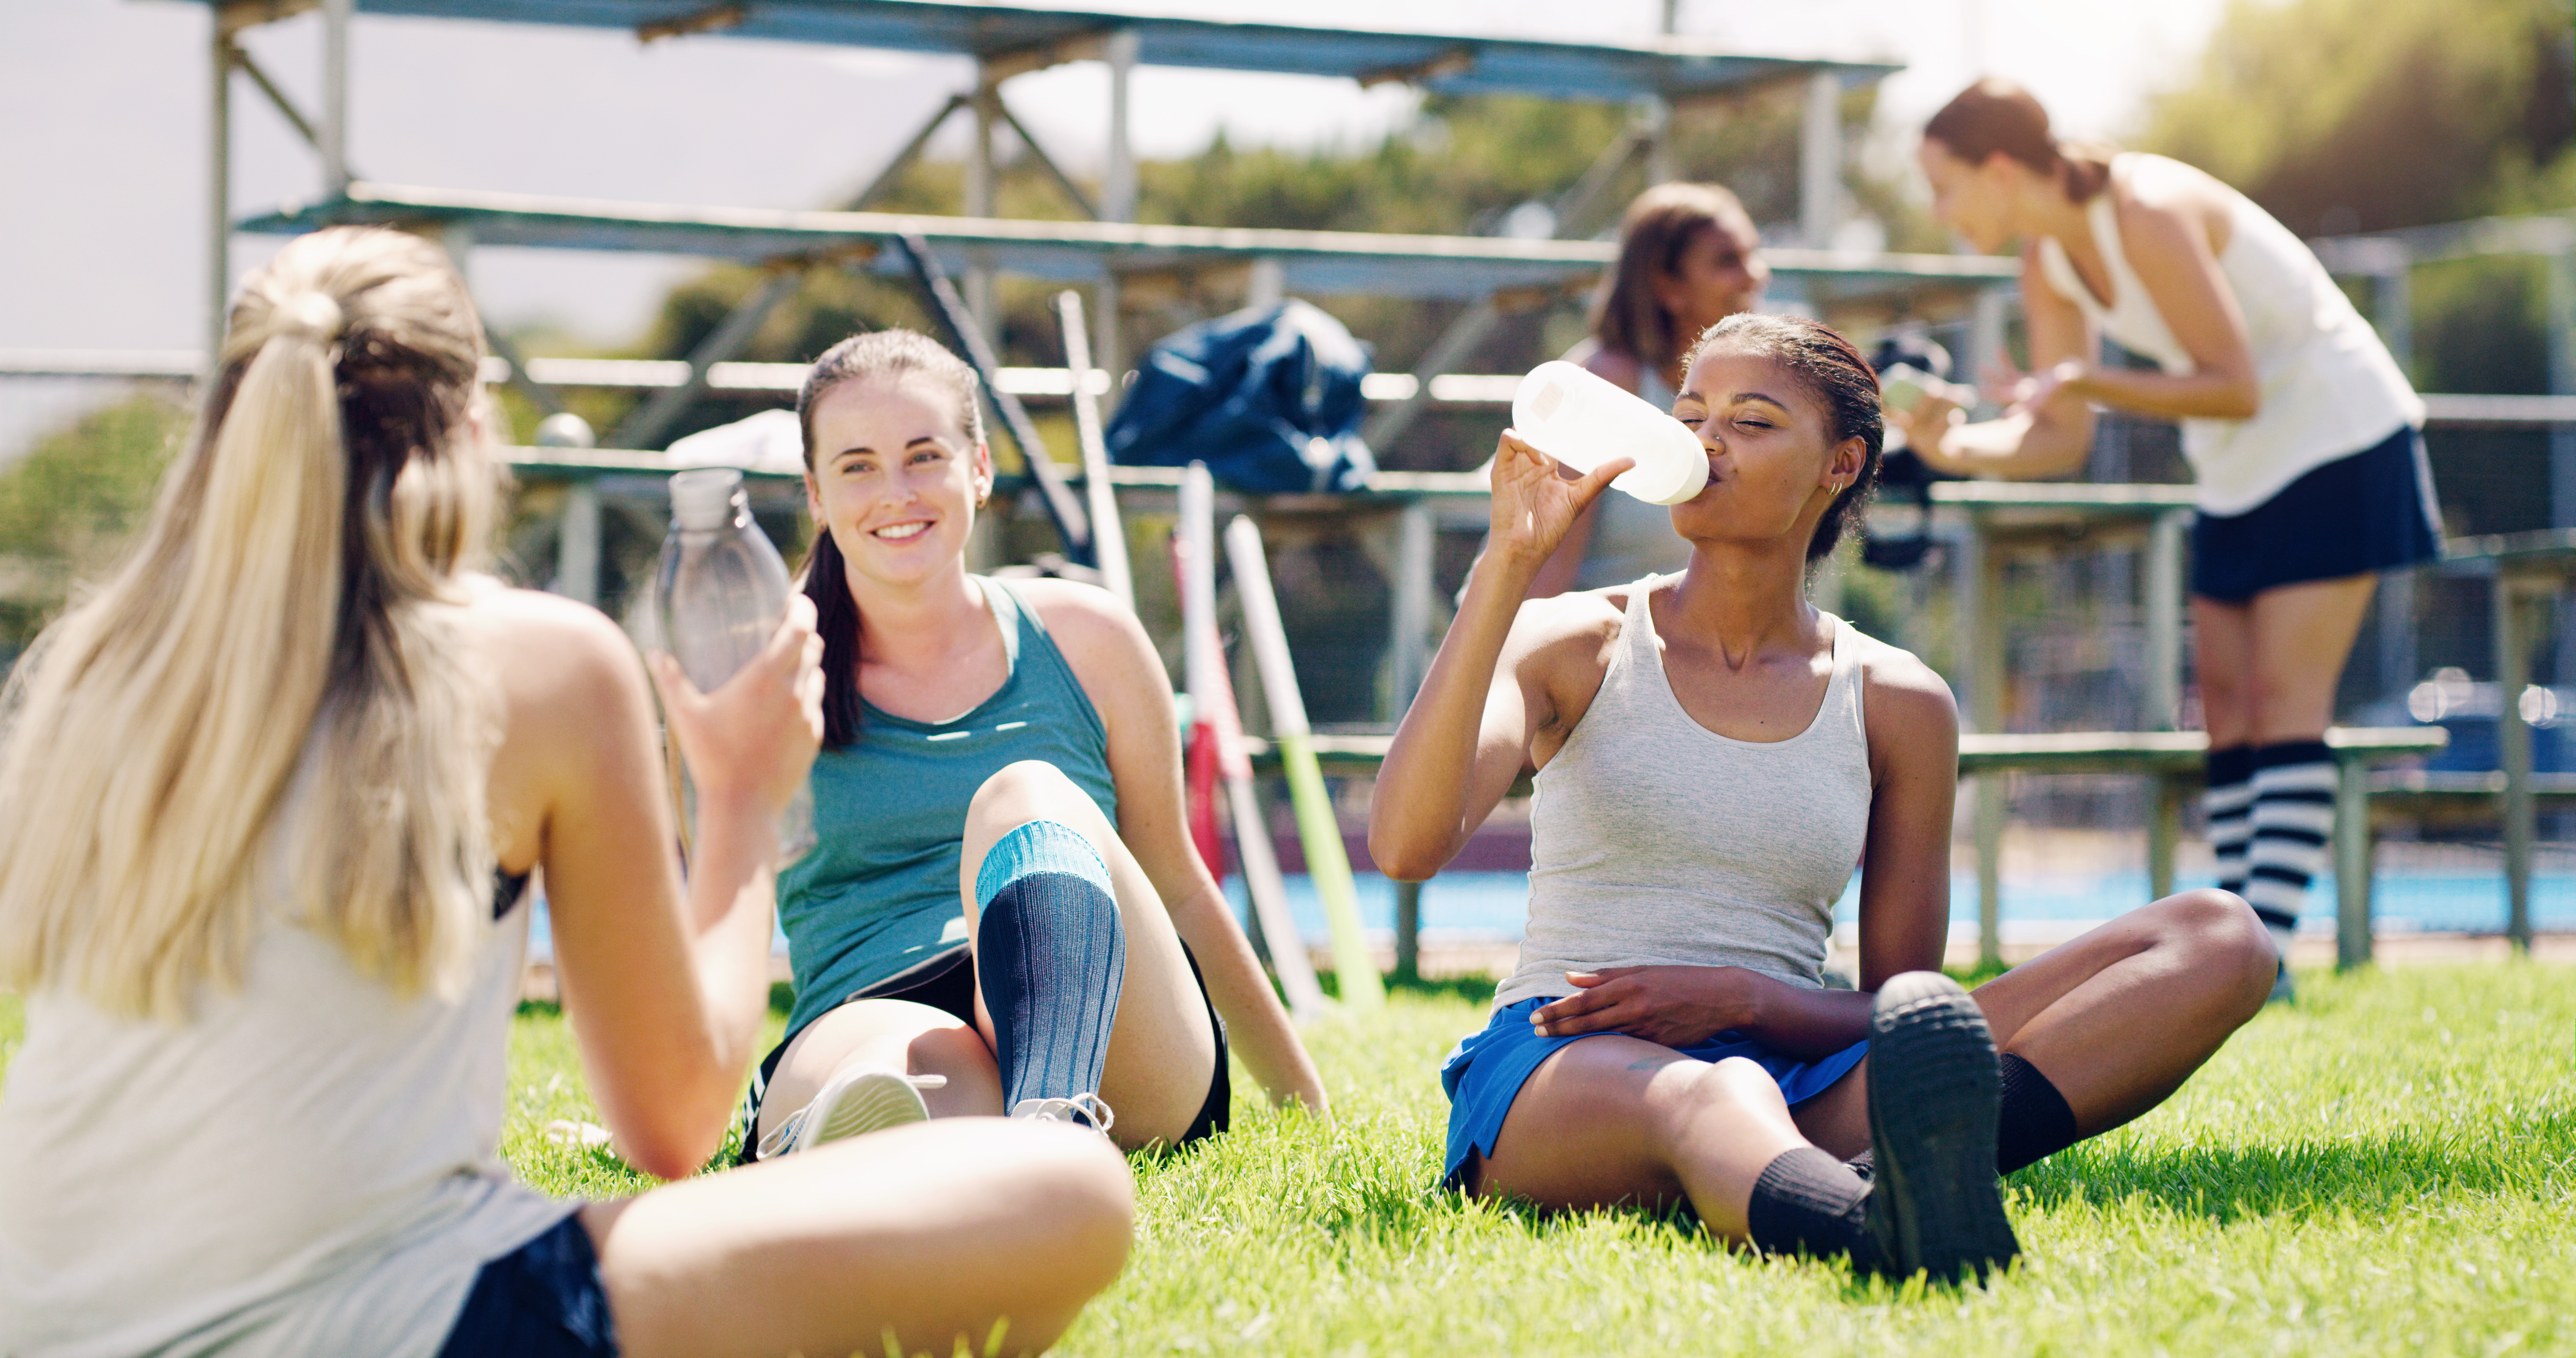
x: 2390, y: 1167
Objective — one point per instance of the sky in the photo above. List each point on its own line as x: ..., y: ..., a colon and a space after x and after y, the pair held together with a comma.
x: 103, y: 122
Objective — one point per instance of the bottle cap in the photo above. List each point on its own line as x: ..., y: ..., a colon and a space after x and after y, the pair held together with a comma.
x: 702, y: 499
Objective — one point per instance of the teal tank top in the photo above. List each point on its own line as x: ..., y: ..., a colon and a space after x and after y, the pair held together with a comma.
x: 877, y: 896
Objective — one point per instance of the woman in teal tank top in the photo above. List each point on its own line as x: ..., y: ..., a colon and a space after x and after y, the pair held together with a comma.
x: 983, y: 737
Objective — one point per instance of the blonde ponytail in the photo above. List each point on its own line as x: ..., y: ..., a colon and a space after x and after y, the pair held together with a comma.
x: 289, y: 612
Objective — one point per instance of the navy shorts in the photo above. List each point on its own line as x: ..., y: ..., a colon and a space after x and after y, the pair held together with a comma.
x: 947, y: 984
x: 2371, y: 511
x: 1486, y: 1071
x: 541, y: 1300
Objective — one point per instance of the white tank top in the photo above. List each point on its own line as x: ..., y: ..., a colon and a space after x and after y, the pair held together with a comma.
x: 2329, y: 388
x: 1655, y: 841
x: 308, y: 1167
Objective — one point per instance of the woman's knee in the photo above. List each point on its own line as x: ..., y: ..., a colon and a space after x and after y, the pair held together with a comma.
x: 2223, y: 935
x: 1689, y: 1091
x: 1031, y: 789
x: 1080, y: 1202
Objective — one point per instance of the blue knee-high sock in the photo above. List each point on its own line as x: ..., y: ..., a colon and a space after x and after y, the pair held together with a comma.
x: 1051, y: 957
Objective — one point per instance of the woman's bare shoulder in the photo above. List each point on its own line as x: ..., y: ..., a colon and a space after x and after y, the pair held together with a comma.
x: 1084, y: 618
x: 1573, y: 632
x: 1899, y: 689
x: 548, y: 652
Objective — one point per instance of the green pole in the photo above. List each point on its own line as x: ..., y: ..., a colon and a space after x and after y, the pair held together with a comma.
x: 1326, y: 864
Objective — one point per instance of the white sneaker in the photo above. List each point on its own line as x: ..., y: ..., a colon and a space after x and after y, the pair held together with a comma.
x: 858, y: 1100
x: 1063, y: 1110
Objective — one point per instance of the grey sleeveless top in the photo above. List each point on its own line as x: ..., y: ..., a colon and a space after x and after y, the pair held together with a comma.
x: 1656, y: 841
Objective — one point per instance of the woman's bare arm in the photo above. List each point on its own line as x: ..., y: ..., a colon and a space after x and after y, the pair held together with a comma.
x: 2047, y: 434
x: 1913, y: 726
x: 1115, y: 660
x: 666, y: 983
x: 1471, y: 727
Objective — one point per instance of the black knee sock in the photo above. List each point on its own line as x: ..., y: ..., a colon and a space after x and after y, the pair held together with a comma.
x: 1051, y: 957
x: 2035, y: 1121
x: 1807, y: 1202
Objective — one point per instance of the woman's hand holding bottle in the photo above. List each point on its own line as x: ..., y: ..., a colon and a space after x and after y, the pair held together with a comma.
x: 1536, y: 500
x: 750, y: 743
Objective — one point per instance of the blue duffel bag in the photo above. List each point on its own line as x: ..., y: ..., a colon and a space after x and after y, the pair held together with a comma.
x: 1268, y: 398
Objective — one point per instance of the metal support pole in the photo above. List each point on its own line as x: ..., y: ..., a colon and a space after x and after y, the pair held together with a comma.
x: 1064, y: 510
x: 1408, y: 931
x: 1462, y: 336
x: 2393, y: 300
x: 655, y: 417
x: 2397, y: 659
x: 1656, y: 116
x: 2562, y: 438
x: 1117, y: 201
x: 2164, y: 834
x: 1984, y: 568
x: 219, y: 184
x: 894, y: 168
x: 335, y: 95
x: 980, y: 197
x: 1064, y: 182
x: 1820, y: 161
x: 2161, y: 694
x: 1409, y: 621
x: 577, y: 549
x: 1267, y: 284
x: 2352, y: 864
x: 2513, y: 747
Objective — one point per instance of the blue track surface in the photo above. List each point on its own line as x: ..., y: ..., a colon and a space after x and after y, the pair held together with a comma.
x: 1495, y: 904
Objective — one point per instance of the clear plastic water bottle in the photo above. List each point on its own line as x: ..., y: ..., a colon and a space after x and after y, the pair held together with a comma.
x: 1583, y: 420
x: 720, y: 593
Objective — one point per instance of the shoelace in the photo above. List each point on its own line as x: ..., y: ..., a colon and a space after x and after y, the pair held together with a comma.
x: 1061, y: 1110
x: 784, y: 1134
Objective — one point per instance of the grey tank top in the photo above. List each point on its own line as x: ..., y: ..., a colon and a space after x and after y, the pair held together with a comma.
x: 1655, y: 841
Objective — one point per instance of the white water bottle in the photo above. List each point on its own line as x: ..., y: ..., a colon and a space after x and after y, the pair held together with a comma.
x: 721, y: 591
x: 1583, y: 420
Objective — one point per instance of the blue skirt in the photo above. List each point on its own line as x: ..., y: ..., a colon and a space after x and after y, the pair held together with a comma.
x: 1486, y: 1071
x: 2370, y: 511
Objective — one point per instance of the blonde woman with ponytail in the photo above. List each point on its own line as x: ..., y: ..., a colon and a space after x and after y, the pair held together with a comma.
x: 269, y: 799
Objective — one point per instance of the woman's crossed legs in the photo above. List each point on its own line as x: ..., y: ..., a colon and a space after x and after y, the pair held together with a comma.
x: 1162, y: 1047
x: 2115, y: 1020
x: 933, y: 1237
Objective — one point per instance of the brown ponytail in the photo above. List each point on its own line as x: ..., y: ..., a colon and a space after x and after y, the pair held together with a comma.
x: 1997, y: 117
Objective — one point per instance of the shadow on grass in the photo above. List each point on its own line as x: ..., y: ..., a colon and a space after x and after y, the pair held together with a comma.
x: 2306, y: 1180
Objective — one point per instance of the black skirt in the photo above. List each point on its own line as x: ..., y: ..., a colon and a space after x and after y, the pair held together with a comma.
x: 2367, y: 512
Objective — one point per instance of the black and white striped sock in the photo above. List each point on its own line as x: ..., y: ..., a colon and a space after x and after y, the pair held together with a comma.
x: 2293, y: 821
x: 2229, y: 806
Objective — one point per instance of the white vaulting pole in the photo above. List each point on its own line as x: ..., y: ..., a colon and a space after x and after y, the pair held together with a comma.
x: 1108, y: 536
x: 1326, y: 864
x: 1212, y: 707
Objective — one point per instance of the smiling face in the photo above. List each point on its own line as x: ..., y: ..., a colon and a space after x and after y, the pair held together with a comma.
x: 894, y: 478
x: 1971, y: 199
x: 1719, y: 274
x: 1773, y: 463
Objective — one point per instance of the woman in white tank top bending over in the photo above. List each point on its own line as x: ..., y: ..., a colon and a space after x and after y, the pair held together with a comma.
x: 255, y: 798
x: 2300, y: 429
x: 1713, y: 755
